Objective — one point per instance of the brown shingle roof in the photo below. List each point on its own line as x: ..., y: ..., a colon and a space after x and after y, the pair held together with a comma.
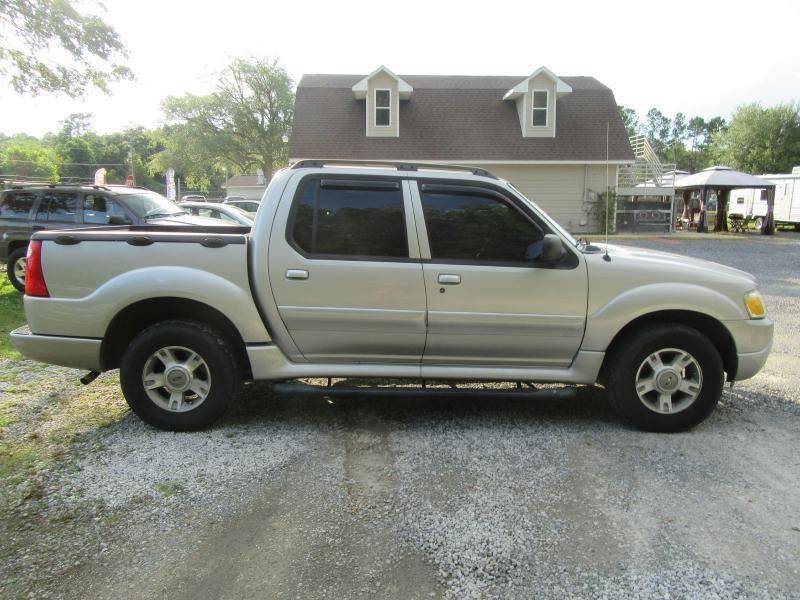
x: 455, y: 118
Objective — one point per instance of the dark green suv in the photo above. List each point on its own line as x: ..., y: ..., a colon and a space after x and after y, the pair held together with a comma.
x: 25, y: 210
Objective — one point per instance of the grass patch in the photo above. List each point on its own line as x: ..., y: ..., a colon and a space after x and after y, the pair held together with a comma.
x: 170, y: 488
x: 11, y: 316
x: 38, y: 430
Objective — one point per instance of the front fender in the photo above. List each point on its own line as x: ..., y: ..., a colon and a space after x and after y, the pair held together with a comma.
x: 90, y: 316
x: 604, y: 322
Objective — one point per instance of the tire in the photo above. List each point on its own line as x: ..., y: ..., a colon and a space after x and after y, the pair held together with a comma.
x: 15, y: 260
x: 685, y: 409
x: 758, y: 223
x: 219, y: 374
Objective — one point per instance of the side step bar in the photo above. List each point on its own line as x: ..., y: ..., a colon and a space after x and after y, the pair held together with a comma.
x: 303, y: 389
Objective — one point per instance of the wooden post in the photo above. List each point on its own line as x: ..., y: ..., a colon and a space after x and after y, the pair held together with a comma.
x: 722, y: 210
x: 701, y: 224
x: 768, y: 226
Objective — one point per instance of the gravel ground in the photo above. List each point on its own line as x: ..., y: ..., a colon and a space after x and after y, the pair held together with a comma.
x: 419, y: 498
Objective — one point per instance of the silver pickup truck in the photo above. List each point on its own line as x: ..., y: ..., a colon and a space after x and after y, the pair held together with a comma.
x: 389, y: 271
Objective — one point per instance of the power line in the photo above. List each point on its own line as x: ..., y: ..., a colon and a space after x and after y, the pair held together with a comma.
x: 33, y: 162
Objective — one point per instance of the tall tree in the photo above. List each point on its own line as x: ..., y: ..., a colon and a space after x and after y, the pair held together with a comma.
x: 631, y: 120
x: 657, y: 127
x: 243, y: 121
x: 50, y: 46
x: 697, y: 128
x: 760, y: 140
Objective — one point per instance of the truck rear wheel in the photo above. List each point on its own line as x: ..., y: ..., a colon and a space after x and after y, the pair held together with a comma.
x: 665, y: 378
x: 16, y: 268
x: 180, y: 375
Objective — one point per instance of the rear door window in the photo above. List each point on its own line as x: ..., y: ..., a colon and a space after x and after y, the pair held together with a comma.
x: 16, y: 204
x: 58, y: 207
x: 98, y: 208
x: 478, y: 227
x: 358, y: 219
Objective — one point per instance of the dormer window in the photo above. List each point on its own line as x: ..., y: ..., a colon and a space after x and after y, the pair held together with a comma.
x: 382, y: 92
x: 540, y: 104
x: 537, y: 98
x: 383, y: 108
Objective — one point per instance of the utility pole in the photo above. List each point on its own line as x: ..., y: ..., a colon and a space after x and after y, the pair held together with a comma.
x: 133, y: 166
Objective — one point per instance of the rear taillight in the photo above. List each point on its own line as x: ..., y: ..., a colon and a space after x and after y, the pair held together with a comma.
x: 34, y: 275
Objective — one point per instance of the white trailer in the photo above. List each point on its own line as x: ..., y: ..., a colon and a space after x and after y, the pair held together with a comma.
x: 750, y: 203
x: 753, y: 202
x: 787, y: 197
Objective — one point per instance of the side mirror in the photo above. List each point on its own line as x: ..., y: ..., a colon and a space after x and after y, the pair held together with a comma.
x: 552, y: 249
x: 118, y: 220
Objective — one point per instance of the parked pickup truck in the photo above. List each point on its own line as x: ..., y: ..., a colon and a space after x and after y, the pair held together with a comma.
x: 388, y: 270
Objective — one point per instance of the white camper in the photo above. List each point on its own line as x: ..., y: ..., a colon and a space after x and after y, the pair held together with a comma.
x: 787, y: 197
x: 753, y: 203
x: 750, y: 203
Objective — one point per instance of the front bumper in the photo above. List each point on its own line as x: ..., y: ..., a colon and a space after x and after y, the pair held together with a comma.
x: 78, y: 353
x: 753, y: 339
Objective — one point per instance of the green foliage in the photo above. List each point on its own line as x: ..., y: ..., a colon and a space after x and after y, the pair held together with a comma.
x: 11, y: 316
x: 28, y: 159
x: 50, y: 46
x: 600, y: 212
x: 681, y: 140
x: 75, y: 152
x: 241, y: 123
x: 761, y: 140
x: 631, y: 120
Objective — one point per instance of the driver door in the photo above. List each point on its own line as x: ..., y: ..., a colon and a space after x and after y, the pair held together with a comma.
x: 490, y: 302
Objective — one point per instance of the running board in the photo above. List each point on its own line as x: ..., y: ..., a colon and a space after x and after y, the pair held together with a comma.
x: 303, y: 389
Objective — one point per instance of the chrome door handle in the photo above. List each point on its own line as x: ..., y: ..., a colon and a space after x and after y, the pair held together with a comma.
x: 449, y: 278
x: 296, y: 274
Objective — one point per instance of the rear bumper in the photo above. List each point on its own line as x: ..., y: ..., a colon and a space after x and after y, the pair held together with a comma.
x: 78, y: 353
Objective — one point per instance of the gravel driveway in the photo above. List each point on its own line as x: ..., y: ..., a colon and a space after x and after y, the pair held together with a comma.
x: 412, y: 498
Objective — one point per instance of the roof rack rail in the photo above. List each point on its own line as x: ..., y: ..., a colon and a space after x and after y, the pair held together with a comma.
x: 318, y: 163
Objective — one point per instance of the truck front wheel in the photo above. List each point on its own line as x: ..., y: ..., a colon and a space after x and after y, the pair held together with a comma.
x: 179, y: 375
x: 665, y: 378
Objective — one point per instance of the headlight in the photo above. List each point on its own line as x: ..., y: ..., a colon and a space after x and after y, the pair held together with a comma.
x: 755, y: 305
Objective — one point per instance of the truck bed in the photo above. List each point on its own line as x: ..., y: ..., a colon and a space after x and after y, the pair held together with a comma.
x: 93, y: 273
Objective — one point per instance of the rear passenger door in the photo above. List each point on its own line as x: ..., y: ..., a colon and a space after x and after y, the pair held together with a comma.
x: 490, y: 301
x: 15, y: 210
x: 345, y: 272
x: 58, y: 209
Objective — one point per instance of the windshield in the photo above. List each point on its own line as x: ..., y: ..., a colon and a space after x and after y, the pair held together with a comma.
x: 144, y: 203
x: 238, y: 211
x: 545, y: 216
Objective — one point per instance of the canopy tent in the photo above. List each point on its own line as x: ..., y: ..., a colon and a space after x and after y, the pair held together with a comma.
x: 723, y: 180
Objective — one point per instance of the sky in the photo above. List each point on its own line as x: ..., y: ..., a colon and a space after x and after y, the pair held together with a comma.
x: 701, y: 58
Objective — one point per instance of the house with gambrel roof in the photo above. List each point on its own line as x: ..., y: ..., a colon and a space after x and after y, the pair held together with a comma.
x: 544, y: 133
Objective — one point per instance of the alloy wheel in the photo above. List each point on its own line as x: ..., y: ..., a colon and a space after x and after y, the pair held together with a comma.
x: 176, y: 378
x: 19, y: 269
x: 669, y: 381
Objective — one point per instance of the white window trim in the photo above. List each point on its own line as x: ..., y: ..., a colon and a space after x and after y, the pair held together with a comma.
x: 546, y: 109
x: 375, y: 107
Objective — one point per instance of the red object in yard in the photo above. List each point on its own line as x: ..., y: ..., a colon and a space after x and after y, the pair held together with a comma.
x: 130, y: 181
x: 34, y: 275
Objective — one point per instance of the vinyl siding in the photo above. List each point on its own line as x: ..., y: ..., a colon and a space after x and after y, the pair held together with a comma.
x: 560, y: 190
x: 249, y: 193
